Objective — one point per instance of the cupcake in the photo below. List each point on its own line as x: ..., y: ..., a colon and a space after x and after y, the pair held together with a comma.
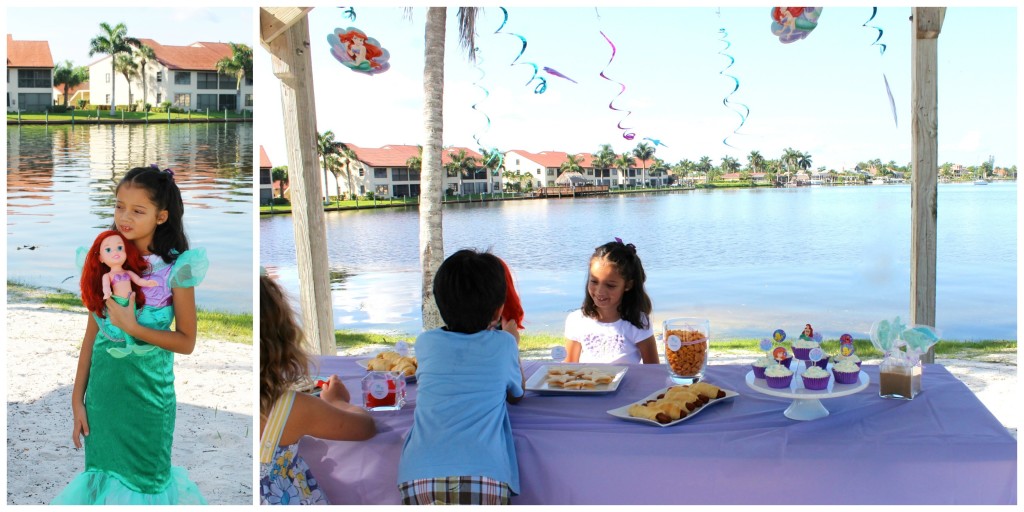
x: 759, y: 366
x: 839, y: 358
x: 802, y: 348
x: 815, y: 378
x: 778, y: 376
x: 846, y: 372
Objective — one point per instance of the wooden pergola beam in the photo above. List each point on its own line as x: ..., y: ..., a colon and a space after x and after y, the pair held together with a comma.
x: 284, y: 33
x: 924, y: 189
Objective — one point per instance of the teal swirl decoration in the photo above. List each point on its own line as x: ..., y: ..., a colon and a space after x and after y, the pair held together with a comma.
x: 349, y: 13
x: 542, y: 84
x: 476, y: 135
x: 743, y: 110
x: 881, y: 52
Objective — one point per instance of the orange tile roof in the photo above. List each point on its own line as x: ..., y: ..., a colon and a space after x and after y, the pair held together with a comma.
x: 396, y: 155
x: 264, y: 159
x: 555, y: 159
x: 198, y: 56
x: 28, y: 54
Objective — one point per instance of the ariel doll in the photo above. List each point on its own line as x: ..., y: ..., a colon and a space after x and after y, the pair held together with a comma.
x: 111, y: 269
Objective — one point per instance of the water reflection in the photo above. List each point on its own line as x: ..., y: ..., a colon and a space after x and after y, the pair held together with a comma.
x: 60, y: 189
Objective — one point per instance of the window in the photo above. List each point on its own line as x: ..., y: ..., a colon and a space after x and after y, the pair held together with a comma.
x: 183, y: 100
x: 414, y: 175
x: 34, y: 78
x: 400, y: 174
x: 380, y: 174
x: 362, y: 172
x: 206, y: 80
x: 182, y: 78
x: 382, y: 190
x: 159, y: 76
x: 206, y: 101
x: 538, y: 174
x: 34, y: 101
x: 106, y: 99
x: 551, y: 172
x: 248, y: 100
x: 399, y: 190
x: 227, y: 82
x: 266, y: 176
x: 159, y: 98
x: 248, y: 80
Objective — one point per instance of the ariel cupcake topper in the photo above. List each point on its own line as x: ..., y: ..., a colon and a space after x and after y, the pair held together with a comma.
x: 815, y: 354
x: 846, y: 347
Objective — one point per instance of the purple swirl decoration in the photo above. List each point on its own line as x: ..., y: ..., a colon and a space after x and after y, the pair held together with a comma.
x: 626, y: 134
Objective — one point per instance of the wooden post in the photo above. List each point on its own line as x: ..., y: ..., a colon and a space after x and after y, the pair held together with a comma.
x: 289, y: 48
x: 924, y: 148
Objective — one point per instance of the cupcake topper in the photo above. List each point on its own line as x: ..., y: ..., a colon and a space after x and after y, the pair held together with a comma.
x: 558, y: 353
x: 816, y: 337
x: 766, y: 346
x: 846, y: 347
x: 779, y: 335
x: 779, y: 354
x: 815, y: 354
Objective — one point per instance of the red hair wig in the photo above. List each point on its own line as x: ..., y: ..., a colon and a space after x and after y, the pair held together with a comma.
x: 93, y: 270
x: 513, y: 309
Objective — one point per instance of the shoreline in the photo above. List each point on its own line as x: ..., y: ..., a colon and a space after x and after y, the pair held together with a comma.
x: 213, y: 438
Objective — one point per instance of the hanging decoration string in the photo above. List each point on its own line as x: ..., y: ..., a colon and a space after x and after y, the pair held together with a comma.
x: 542, y: 83
x: 626, y: 134
x: 493, y: 152
x: 881, y: 52
x: 740, y: 108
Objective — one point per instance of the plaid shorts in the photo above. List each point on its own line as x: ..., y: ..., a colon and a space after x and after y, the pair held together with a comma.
x: 455, y: 490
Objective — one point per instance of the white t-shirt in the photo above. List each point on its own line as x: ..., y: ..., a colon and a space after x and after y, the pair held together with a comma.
x: 613, y: 342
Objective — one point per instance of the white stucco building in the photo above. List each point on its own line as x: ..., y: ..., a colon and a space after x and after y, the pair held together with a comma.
x: 184, y: 75
x: 29, y: 75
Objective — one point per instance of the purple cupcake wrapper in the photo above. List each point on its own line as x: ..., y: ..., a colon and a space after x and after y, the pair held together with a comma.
x: 801, y: 353
x: 758, y: 371
x: 779, y: 382
x: 846, y: 377
x: 815, y: 384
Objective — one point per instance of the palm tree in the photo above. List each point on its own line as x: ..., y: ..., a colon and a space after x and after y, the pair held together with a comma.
x: 729, y: 164
x: 643, y: 152
x: 69, y: 76
x: 113, y: 42
x: 571, y: 164
x: 755, y: 161
x: 280, y: 174
x: 604, y: 159
x: 144, y: 55
x: 349, y: 158
x: 431, y: 235
x: 326, y: 145
x: 125, y: 65
x: 804, y: 161
x: 492, y: 162
x: 238, y: 65
x: 704, y: 166
x: 623, y: 163
x: 333, y: 164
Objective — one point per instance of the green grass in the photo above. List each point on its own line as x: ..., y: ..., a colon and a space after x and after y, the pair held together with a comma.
x: 93, y: 115
x: 351, y: 340
x: 233, y: 327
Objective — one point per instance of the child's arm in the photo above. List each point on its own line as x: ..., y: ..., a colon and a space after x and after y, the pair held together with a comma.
x: 81, y: 422
x: 648, y: 351
x: 145, y: 283
x: 181, y: 340
x: 329, y: 417
x: 512, y: 328
x: 572, y: 351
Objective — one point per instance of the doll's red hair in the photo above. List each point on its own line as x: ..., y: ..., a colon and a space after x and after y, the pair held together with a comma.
x: 513, y: 309
x: 93, y: 270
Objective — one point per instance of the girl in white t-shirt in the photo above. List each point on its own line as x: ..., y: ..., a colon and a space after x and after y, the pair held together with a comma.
x: 614, y: 325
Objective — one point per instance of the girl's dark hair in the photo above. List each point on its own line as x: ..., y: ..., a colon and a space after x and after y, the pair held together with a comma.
x: 469, y: 287
x: 283, y: 361
x: 635, y: 307
x: 169, y: 240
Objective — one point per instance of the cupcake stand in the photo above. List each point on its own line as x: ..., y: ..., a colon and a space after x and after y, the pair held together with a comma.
x: 807, y: 403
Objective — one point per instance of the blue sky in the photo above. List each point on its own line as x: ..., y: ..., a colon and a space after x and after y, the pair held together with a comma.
x: 69, y: 29
x: 824, y: 95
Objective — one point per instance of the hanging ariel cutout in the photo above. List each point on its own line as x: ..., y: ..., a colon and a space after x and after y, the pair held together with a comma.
x: 794, y: 23
x: 358, y: 52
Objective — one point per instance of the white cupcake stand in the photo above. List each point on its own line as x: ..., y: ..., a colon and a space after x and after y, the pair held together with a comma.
x: 807, y: 402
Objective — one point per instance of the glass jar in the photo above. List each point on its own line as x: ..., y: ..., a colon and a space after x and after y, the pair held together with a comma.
x: 686, y: 348
x: 383, y: 391
x: 899, y: 381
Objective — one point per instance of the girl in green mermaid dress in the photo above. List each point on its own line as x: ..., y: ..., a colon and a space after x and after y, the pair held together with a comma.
x: 123, y: 399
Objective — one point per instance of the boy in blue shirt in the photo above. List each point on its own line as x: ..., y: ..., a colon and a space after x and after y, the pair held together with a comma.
x: 460, y: 448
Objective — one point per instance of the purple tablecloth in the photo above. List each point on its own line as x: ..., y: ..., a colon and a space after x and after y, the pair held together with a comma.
x: 943, y: 447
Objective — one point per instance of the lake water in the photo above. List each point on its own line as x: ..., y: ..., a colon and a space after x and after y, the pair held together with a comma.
x: 750, y: 260
x: 60, y: 195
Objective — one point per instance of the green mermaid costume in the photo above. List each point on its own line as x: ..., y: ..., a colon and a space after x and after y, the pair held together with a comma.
x: 131, y: 405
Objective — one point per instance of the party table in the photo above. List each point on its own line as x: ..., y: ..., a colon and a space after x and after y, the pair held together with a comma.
x: 943, y: 447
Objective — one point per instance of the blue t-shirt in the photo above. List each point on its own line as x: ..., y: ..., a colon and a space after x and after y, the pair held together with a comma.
x: 460, y: 425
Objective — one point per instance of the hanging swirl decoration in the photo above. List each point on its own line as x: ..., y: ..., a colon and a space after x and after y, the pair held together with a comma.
x: 881, y: 52
x: 494, y: 153
x: 742, y: 109
x: 626, y: 134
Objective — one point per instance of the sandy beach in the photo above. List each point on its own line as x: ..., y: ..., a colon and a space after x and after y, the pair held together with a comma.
x: 213, y: 438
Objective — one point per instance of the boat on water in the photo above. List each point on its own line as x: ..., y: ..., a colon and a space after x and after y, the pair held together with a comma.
x: 878, y: 181
x: 980, y: 181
